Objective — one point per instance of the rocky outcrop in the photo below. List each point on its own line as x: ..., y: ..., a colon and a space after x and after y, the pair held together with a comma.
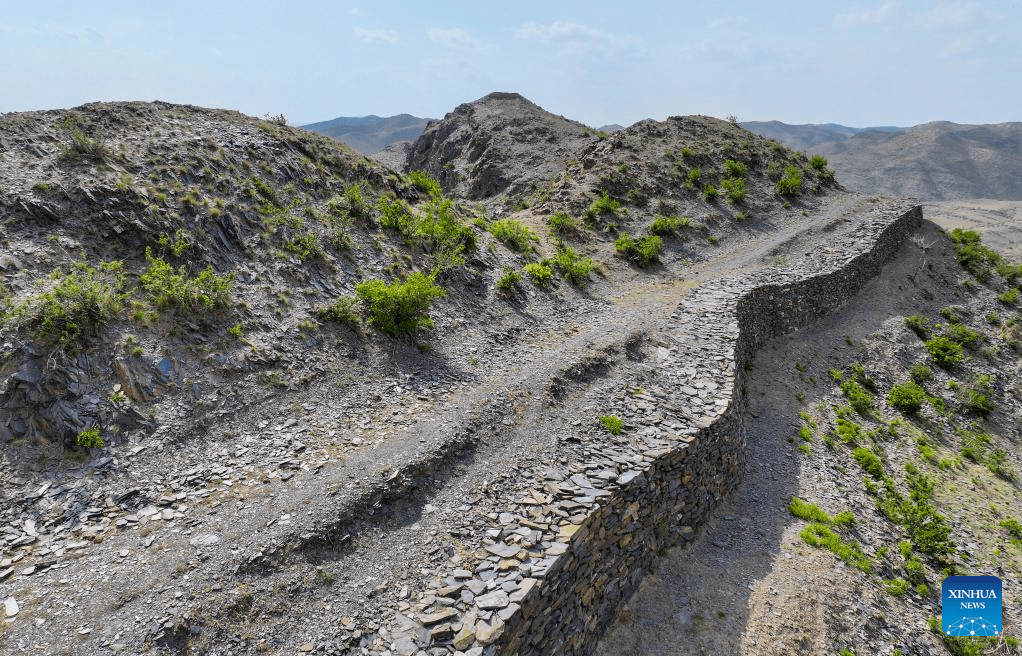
x: 499, y: 144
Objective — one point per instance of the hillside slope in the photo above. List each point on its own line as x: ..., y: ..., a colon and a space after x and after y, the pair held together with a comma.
x: 260, y: 394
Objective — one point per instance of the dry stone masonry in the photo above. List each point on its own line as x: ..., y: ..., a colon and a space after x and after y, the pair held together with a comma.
x: 559, y: 562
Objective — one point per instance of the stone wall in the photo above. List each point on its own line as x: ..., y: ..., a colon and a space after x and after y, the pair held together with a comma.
x: 670, y: 487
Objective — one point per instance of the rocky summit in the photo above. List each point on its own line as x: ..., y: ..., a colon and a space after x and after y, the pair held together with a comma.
x: 261, y: 394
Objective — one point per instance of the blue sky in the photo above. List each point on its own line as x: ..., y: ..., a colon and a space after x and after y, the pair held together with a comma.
x: 879, y: 62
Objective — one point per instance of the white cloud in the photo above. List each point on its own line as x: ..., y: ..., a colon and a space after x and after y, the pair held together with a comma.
x: 871, y: 15
x: 533, y: 31
x: 582, y: 41
x: 453, y: 38
x: 375, y: 36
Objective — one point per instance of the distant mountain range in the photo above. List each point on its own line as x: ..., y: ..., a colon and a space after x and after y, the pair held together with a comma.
x: 370, y: 134
x: 933, y: 161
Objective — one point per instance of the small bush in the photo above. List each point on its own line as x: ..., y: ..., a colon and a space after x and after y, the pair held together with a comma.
x: 977, y: 402
x: 400, y: 308
x: 563, y: 224
x: 844, y: 518
x: 342, y: 312
x: 668, y: 225
x: 89, y: 438
x: 945, y: 353
x: 735, y: 169
x: 602, y: 205
x: 920, y: 373
x: 897, y: 587
x: 168, y: 288
x: 907, y: 397
x: 612, y: 424
x: 426, y: 183
x: 964, y: 335
x: 919, y: 325
x: 358, y: 207
x: 642, y: 251
x: 819, y: 535
x: 819, y: 164
x: 810, y: 512
x: 515, y: 234
x: 1014, y: 529
x: 541, y: 275
x: 735, y: 188
x: 710, y: 193
x: 973, y: 255
x: 82, y: 146
x: 576, y: 268
x: 692, y: 179
x: 509, y: 280
x: 1009, y: 297
x: 858, y: 397
x: 869, y: 462
x: 790, y: 183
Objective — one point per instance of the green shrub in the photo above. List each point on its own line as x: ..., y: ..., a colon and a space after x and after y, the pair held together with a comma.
x: 82, y: 146
x: 575, y: 267
x: 977, y: 401
x: 602, y: 205
x: 819, y: 535
x: 710, y: 193
x: 919, y: 325
x: 358, y: 207
x: 915, y: 572
x: 395, y: 215
x: 897, y: 587
x: 810, y: 512
x: 858, y: 397
x: 735, y: 169
x: 426, y: 183
x: 668, y: 225
x: 541, y: 275
x: 920, y: 373
x: 692, y: 179
x: 844, y: 518
x: 564, y: 224
x: 907, y: 397
x: 973, y: 255
x: 790, y: 183
x: 869, y: 462
x: 235, y: 331
x: 964, y: 335
x: 1009, y: 297
x: 612, y: 424
x: 515, y: 234
x: 642, y: 251
x: 735, y: 188
x: 848, y: 431
x: 89, y: 438
x: 1014, y: 529
x: 400, y: 308
x: 79, y: 305
x: 945, y: 353
x: 342, y: 312
x: 510, y: 279
x: 819, y: 164
x: 168, y: 288
x: 997, y: 463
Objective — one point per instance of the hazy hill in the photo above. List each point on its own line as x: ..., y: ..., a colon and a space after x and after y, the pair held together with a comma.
x: 805, y: 137
x: 369, y: 134
x: 934, y: 161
